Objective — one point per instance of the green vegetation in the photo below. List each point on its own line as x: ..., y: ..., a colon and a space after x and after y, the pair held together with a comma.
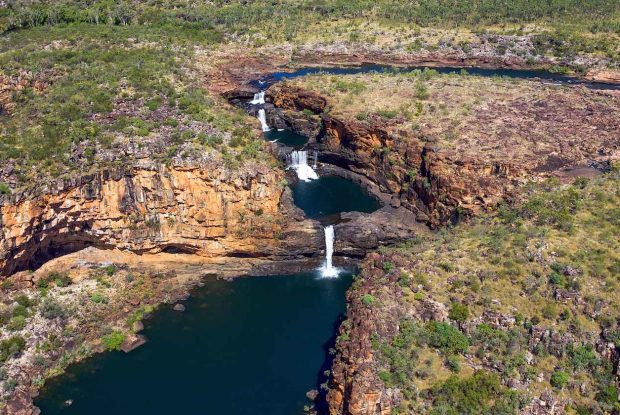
x: 290, y: 16
x: 368, y: 300
x: 4, y: 189
x: 99, y: 298
x: 51, y: 309
x: 16, y: 323
x: 458, y: 312
x: 560, y: 379
x: 96, y: 74
x: 98, y: 87
x: 445, y: 337
x: 59, y: 279
x: 11, y: 347
x: 113, y: 341
x: 511, y: 270
x: 480, y: 393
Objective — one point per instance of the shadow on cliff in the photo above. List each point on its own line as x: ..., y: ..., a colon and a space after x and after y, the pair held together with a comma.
x: 320, y: 402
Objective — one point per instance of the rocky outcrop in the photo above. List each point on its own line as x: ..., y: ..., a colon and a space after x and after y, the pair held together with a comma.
x: 290, y: 97
x: 604, y: 75
x: 442, y: 184
x: 199, y: 209
x: 304, y: 124
x: 355, y: 387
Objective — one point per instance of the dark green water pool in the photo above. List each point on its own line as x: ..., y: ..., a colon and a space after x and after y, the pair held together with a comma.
x: 286, y: 137
x: 330, y: 195
x: 250, y: 346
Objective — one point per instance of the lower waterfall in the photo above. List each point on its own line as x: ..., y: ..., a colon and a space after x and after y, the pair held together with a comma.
x: 262, y: 117
x: 328, y: 270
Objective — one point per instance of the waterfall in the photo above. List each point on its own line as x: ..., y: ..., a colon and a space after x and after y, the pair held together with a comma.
x: 299, y: 162
x: 328, y: 270
x: 263, y: 120
x: 259, y: 98
x: 316, y: 158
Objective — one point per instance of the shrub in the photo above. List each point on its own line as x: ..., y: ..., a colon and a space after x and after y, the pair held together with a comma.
x: 110, y: 270
x: 17, y: 323
x: 368, y: 300
x: 454, y: 363
x: 404, y: 280
x: 481, y: 393
x: 559, y: 379
x: 99, y: 298
x: 556, y: 278
x: 458, y: 312
x: 113, y: 341
x: 23, y: 301
x: 11, y: 347
x: 51, y: 309
x: 20, y: 310
x: 583, y: 357
x: 388, y: 266
x: 10, y: 385
x: 446, y: 337
x: 4, y: 189
x: 421, y: 91
x: 61, y: 280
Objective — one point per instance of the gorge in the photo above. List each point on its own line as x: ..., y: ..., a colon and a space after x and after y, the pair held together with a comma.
x: 318, y: 229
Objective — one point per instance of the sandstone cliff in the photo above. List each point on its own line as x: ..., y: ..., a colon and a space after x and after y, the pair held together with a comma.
x: 199, y: 209
x: 442, y: 173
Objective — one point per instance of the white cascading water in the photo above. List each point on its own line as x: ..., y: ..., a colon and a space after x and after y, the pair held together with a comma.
x: 262, y: 117
x: 299, y: 162
x: 328, y: 270
x: 316, y: 158
x: 259, y: 98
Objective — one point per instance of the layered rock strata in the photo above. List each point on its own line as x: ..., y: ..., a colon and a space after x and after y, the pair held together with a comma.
x: 202, y: 210
x: 442, y: 184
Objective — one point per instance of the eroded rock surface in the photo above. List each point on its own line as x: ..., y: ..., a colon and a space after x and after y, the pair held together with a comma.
x: 201, y: 210
x: 442, y: 172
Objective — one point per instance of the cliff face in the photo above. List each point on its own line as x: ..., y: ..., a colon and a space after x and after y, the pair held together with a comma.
x: 442, y: 181
x: 186, y: 209
x: 356, y: 388
x: 513, y: 330
x: 430, y: 183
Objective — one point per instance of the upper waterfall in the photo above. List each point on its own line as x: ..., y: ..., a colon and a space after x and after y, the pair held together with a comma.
x: 259, y: 98
x: 299, y: 162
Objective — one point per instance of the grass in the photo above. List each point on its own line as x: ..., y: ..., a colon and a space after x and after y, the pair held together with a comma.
x: 505, y: 263
x: 94, y: 87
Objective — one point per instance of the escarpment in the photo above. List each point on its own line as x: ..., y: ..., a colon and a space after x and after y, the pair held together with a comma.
x: 453, y: 309
x: 441, y: 173
x: 198, y: 209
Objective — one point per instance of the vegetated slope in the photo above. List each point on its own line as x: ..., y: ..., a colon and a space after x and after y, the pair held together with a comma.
x: 83, y: 82
x: 79, y: 98
x: 516, y: 312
